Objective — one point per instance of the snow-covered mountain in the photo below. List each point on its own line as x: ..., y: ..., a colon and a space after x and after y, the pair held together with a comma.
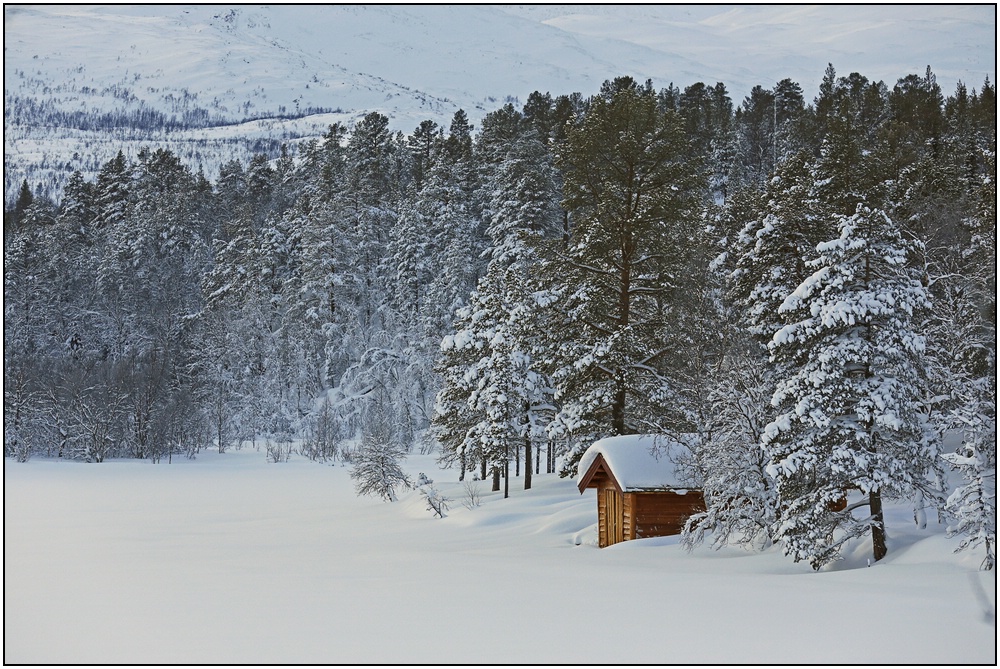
x: 251, y: 77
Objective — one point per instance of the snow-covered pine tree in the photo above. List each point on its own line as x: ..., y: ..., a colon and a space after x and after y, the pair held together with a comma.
x: 373, y: 199
x: 850, y: 415
x: 945, y: 192
x: 740, y: 496
x: 964, y: 334
x: 422, y: 144
x: 707, y: 113
x: 973, y: 504
x: 413, y: 263
x: 26, y: 344
x: 243, y: 358
x: 70, y: 261
x: 537, y: 115
x: 455, y: 424
x: 111, y: 191
x: 499, y: 378
x: 768, y: 259
x: 789, y: 114
x: 372, y: 348
x: 448, y: 266
x: 755, y: 138
x: 12, y: 218
x: 149, y: 271
x: 433, y: 260
x: 500, y: 129
x: 508, y: 398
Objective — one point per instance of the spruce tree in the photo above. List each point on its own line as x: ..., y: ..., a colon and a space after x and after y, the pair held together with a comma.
x: 423, y: 144
x: 111, y: 197
x: 490, y: 356
x: 850, y: 415
x: 13, y: 219
x: 456, y: 425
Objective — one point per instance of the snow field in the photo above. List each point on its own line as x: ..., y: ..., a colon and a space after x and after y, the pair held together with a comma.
x: 231, y: 559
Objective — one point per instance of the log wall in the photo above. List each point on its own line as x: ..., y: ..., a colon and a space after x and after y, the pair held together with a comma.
x: 663, y: 514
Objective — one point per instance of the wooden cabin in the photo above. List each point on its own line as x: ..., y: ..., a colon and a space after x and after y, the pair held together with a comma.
x: 639, y: 493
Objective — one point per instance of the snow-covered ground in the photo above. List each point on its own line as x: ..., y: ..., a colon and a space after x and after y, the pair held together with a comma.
x: 232, y: 559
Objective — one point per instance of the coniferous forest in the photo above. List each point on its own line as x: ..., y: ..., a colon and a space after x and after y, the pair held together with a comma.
x: 802, y: 293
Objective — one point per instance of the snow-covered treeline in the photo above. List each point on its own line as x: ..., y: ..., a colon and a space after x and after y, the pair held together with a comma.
x: 803, y: 293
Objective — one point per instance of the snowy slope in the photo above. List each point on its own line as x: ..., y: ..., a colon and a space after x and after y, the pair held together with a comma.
x: 230, y: 559
x: 416, y: 62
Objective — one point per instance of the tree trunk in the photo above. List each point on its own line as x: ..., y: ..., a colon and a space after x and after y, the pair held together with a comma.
x: 506, y: 478
x: 527, y: 463
x: 627, y: 247
x: 879, y: 548
x: 496, y: 479
x: 618, y: 408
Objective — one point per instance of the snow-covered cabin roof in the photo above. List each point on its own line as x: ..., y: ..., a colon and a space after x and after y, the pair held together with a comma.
x: 631, y: 463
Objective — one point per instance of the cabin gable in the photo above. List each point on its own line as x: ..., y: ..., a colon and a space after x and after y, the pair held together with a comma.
x: 598, y: 475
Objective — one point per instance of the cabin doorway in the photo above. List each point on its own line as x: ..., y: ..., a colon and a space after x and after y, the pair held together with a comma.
x: 613, y: 509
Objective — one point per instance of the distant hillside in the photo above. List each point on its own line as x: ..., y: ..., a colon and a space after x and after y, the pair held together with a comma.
x: 83, y: 82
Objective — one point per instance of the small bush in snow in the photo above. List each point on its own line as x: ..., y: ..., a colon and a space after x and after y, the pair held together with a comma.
x: 321, y: 439
x: 423, y: 480
x: 278, y: 451
x: 376, y: 470
x: 436, y: 502
x: 473, y: 497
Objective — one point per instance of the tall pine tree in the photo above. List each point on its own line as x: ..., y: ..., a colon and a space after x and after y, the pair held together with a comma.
x: 633, y: 195
x: 850, y: 415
